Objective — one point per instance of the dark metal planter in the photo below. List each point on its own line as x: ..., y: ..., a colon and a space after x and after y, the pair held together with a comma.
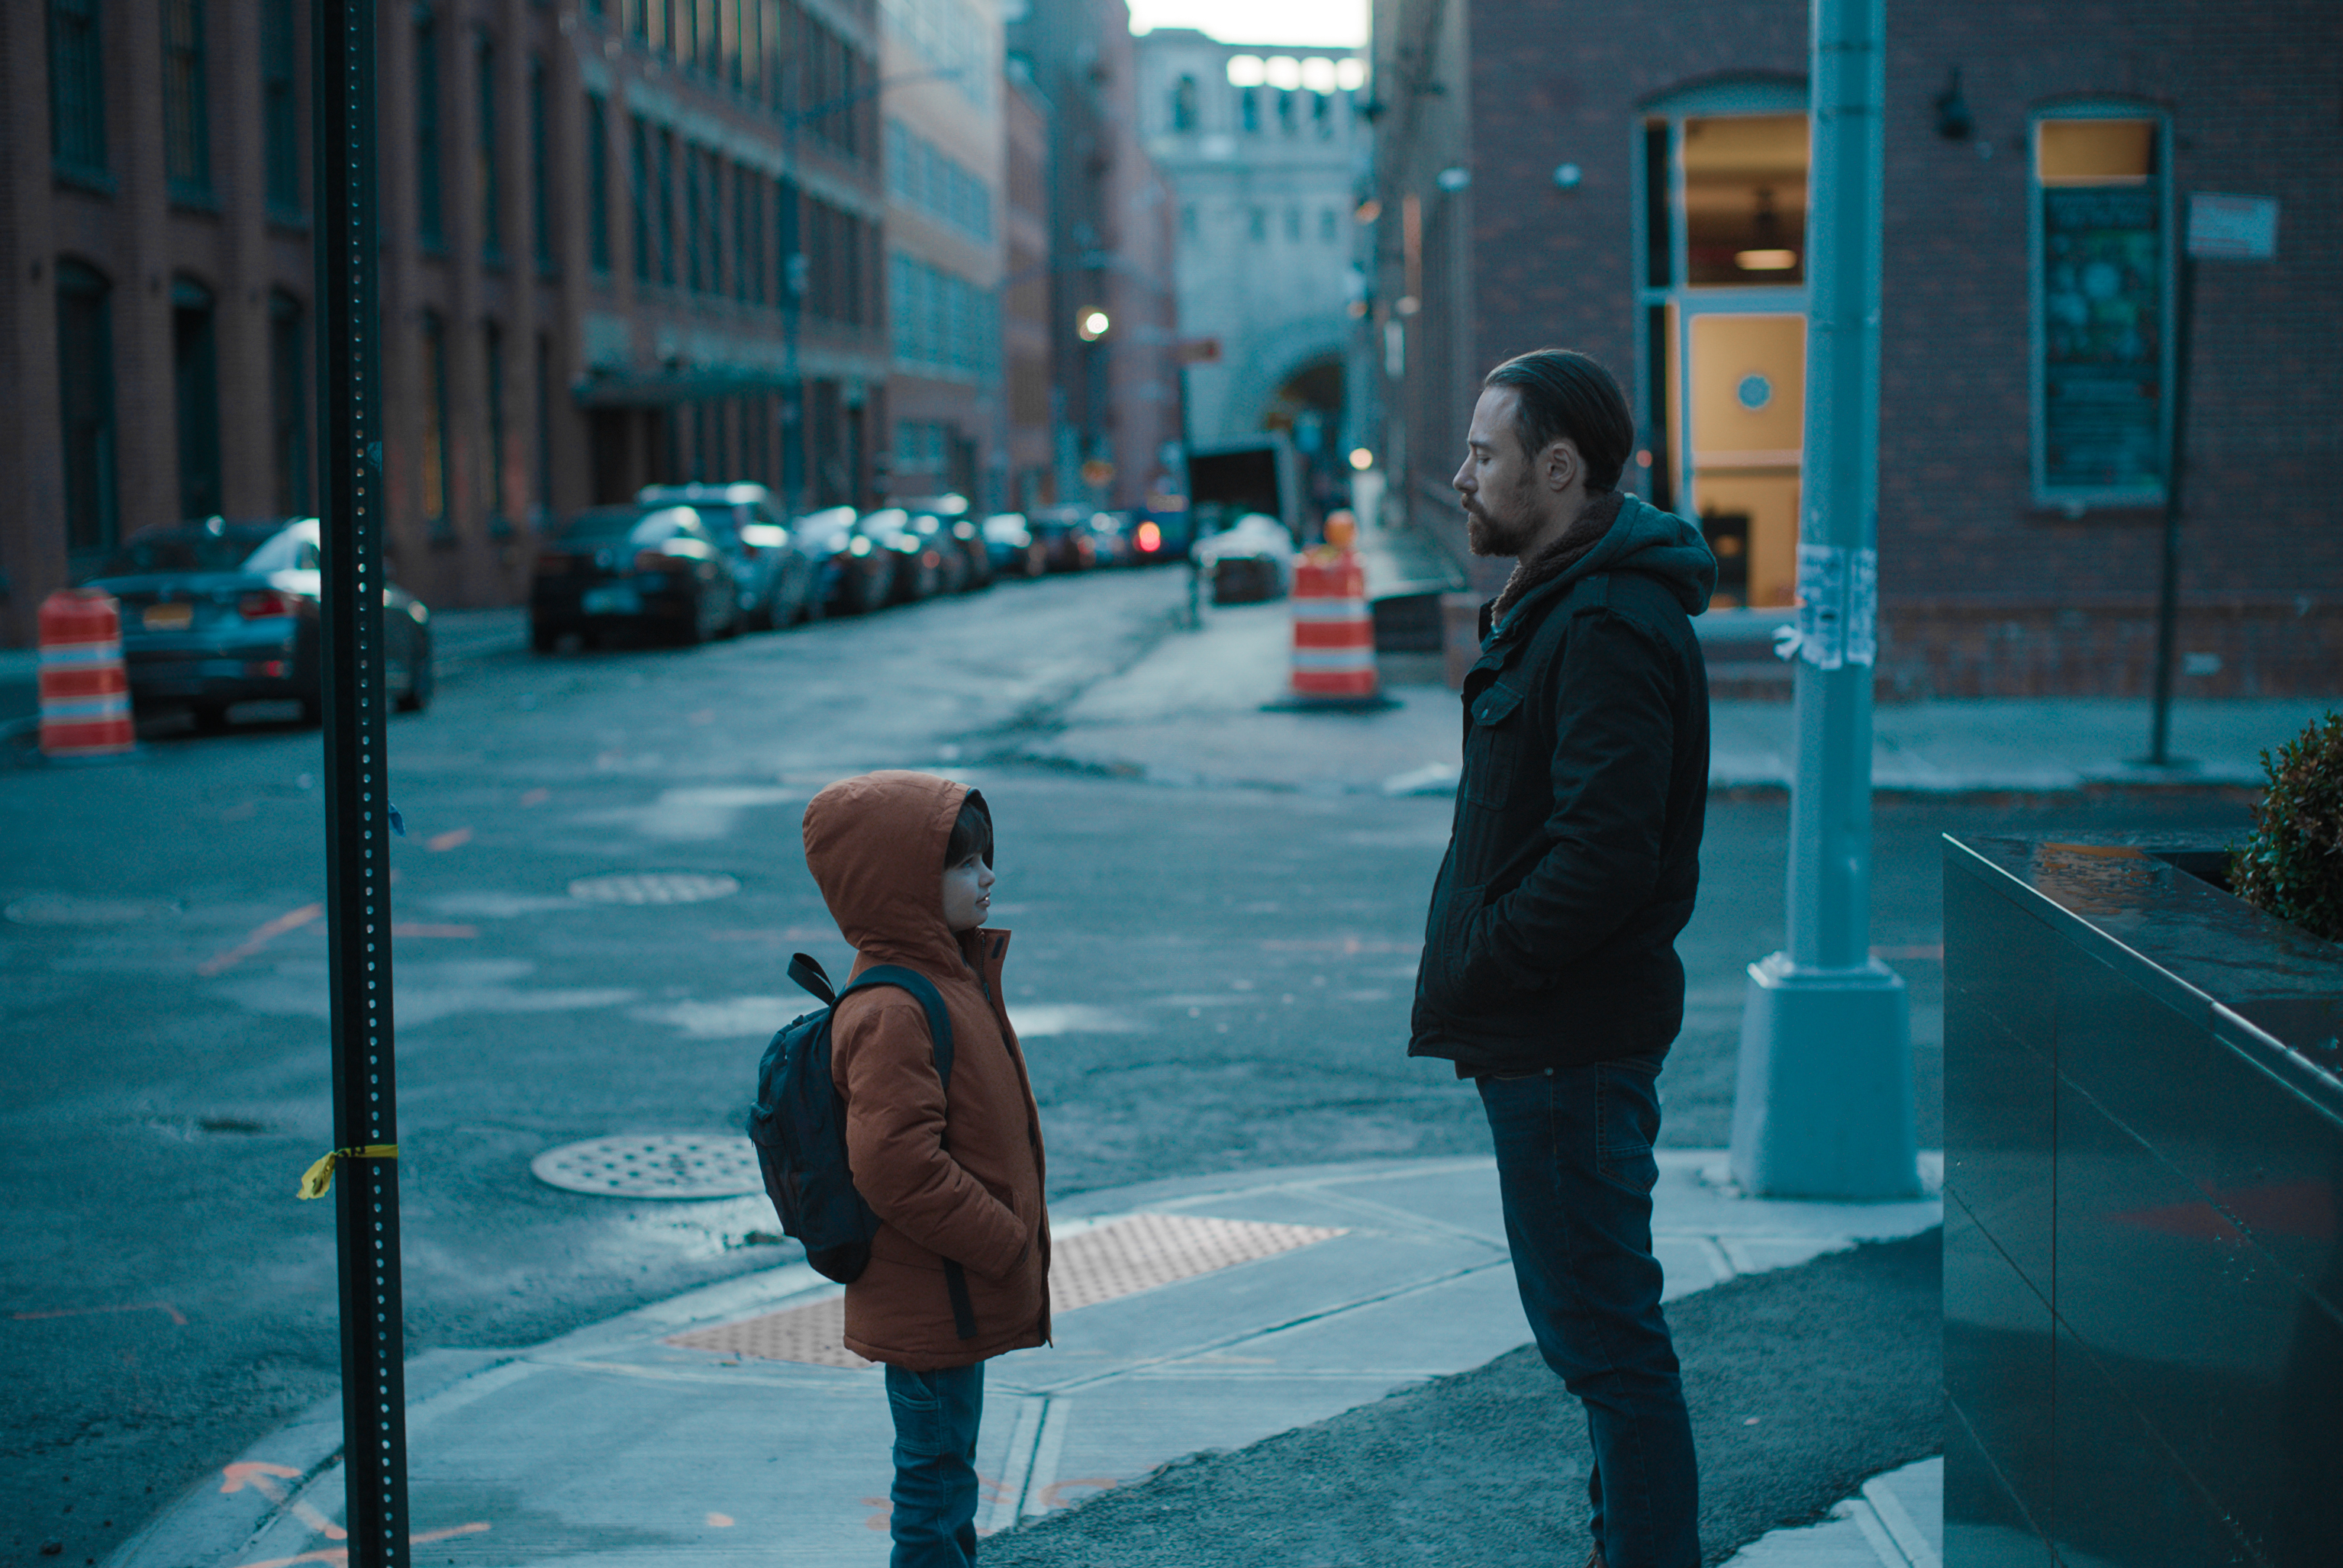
x: 2144, y: 1178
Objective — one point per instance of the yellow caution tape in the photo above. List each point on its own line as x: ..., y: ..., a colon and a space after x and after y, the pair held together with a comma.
x: 318, y: 1180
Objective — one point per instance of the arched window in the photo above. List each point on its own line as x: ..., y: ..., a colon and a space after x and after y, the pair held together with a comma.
x: 288, y: 404
x: 195, y: 379
x: 85, y: 408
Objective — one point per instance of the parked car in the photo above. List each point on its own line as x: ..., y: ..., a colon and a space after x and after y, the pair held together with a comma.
x: 1162, y: 534
x: 919, y: 561
x: 1250, y: 562
x: 959, y: 531
x: 1110, y: 537
x: 633, y: 567
x: 1067, y: 543
x: 779, y: 578
x: 1011, y: 547
x: 856, y: 575
x: 216, y: 612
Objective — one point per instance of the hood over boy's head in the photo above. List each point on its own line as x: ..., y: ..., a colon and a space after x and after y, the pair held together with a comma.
x: 877, y: 845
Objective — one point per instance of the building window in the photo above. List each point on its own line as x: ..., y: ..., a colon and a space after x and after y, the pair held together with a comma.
x: 492, y: 345
x: 598, y: 185
x: 663, y: 216
x: 288, y: 404
x: 1248, y: 108
x: 747, y: 223
x: 86, y: 407
x: 2102, y: 266
x: 430, y: 198
x: 1188, y: 221
x: 540, y: 195
x: 76, y: 89
x: 543, y: 508
x: 641, y: 192
x: 435, y: 487
x: 1328, y: 226
x: 279, y: 108
x: 695, y: 203
x: 1293, y: 225
x: 790, y: 247
x: 187, y: 125
x: 195, y: 376
x: 1721, y: 342
x: 1257, y: 224
x: 1183, y: 104
x: 484, y: 157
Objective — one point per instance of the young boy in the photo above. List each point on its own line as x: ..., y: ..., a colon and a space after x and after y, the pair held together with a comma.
x: 960, y: 1270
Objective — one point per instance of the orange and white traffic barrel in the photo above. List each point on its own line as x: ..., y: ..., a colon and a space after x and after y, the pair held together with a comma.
x: 1334, y: 634
x: 85, y: 691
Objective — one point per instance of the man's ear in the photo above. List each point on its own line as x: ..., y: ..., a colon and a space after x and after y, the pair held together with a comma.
x: 1562, y: 465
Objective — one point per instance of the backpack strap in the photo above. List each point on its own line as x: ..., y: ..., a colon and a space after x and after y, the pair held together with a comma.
x: 806, y: 970
x: 923, y: 990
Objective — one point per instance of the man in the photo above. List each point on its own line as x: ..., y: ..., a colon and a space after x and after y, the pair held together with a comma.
x: 1550, y: 976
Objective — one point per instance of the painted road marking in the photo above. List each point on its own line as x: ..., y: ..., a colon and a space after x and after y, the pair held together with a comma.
x: 453, y: 839
x: 340, y: 1555
x: 416, y: 929
x: 262, y: 1477
x: 175, y: 1315
x: 1908, y: 954
x: 261, y: 938
x: 536, y: 798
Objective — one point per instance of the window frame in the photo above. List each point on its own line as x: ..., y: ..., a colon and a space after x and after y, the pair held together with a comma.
x: 186, y: 113
x: 2076, y: 499
x: 280, y: 111
x: 78, y: 116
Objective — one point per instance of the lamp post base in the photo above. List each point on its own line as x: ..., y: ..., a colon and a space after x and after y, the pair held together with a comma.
x: 1823, y: 1107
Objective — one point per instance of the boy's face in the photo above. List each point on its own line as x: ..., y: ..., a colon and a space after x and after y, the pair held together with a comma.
x: 967, y: 893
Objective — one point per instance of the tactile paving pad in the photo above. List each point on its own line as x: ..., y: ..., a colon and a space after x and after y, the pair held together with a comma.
x: 1121, y: 1258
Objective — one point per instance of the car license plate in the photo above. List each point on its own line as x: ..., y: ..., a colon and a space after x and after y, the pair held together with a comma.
x: 612, y: 601
x: 169, y: 617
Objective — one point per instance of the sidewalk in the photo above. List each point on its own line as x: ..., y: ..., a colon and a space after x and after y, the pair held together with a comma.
x: 1141, y: 723
x: 727, y: 1426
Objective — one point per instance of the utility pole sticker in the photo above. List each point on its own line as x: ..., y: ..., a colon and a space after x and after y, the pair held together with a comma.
x: 1838, y: 608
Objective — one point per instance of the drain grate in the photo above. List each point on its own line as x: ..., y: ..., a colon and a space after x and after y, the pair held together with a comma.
x: 654, y: 1165
x: 655, y: 887
x: 1121, y: 1258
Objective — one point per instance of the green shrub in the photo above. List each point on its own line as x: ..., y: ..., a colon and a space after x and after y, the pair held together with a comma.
x: 2292, y: 862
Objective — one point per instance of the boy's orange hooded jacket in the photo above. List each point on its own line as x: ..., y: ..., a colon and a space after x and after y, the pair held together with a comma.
x: 957, y: 1179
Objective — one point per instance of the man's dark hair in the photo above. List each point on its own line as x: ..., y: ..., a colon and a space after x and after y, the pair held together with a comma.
x: 1562, y: 393
x: 971, y: 834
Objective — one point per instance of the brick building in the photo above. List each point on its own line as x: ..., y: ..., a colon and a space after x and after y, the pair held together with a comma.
x: 942, y: 101
x: 1638, y: 191
x: 619, y: 244
x: 1114, y: 390
x: 1025, y: 291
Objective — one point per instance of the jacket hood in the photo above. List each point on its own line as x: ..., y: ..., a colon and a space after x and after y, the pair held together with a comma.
x: 1641, y: 539
x: 875, y: 845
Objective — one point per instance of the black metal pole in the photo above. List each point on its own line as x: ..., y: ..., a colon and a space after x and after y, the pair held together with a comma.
x: 2167, y: 604
x: 358, y: 799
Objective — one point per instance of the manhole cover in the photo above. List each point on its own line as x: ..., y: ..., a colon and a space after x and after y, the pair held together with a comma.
x: 654, y: 887
x: 66, y: 910
x: 654, y: 1165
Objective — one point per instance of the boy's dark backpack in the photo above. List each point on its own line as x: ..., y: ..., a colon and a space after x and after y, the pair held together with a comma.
x: 798, y: 1126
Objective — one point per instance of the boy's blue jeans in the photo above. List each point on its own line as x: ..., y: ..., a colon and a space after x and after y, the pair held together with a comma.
x: 1576, y: 1167
x: 936, y: 1414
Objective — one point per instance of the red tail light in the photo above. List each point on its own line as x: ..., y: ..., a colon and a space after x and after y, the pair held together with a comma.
x: 264, y: 606
x: 550, y: 561
x: 1151, y: 538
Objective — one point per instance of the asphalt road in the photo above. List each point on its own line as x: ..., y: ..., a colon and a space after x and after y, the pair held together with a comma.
x: 1206, y: 980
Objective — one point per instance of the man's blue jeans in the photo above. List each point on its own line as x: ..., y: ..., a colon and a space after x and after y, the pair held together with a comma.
x: 1575, y: 1167
x: 936, y: 1414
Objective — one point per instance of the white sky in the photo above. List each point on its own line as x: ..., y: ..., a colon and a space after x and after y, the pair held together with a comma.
x: 1326, y: 24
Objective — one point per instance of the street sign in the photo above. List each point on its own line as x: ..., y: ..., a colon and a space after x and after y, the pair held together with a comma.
x: 1199, y: 351
x: 2232, y: 228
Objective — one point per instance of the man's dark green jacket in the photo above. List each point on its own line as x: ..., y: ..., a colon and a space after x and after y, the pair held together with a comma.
x: 1577, y: 850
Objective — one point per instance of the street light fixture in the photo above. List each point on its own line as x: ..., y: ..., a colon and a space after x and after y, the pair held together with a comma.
x: 1093, y: 326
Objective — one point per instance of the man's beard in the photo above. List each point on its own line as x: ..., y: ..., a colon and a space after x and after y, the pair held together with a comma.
x: 1488, y: 535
